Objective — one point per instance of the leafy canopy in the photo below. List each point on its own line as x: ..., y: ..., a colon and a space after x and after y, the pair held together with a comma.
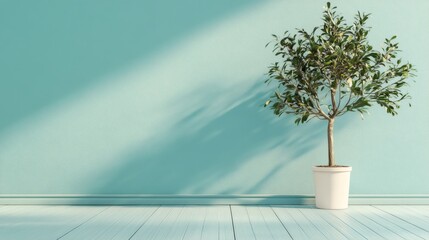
x: 333, y: 70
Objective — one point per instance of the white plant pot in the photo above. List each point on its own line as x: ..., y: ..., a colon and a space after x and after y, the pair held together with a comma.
x: 332, y: 187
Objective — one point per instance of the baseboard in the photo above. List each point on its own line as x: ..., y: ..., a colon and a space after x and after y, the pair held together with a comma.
x: 145, y: 199
x: 157, y: 199
x: 387, y: 199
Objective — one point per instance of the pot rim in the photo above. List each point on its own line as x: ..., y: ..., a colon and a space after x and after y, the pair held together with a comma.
x: 332, y: 169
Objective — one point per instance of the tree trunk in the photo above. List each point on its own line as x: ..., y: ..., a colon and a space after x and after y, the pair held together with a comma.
x: 331, y: 142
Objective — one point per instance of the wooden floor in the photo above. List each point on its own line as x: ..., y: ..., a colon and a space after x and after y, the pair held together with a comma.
x: 213, y: 222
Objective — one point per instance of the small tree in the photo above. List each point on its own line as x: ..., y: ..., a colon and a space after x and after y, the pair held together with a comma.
x: 333, y: 70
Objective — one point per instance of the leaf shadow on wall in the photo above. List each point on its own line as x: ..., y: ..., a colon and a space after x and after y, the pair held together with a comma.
x: 236, y: 153
x: 54, y: 50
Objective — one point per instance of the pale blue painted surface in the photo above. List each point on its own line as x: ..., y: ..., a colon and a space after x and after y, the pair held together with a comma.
x: 147, y: 97
x: 211, y: 222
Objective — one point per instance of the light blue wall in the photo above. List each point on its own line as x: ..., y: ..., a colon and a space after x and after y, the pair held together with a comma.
x: 155, y: 97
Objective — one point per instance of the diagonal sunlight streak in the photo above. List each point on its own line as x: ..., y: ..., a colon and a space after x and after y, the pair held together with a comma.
x: 211, y: 72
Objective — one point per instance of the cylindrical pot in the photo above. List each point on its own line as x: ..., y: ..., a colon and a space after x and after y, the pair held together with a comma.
x: 332, y: 187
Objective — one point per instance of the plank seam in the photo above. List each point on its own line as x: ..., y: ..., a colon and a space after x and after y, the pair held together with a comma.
x: 204, y: 223
x: 384, y: 226
x: 232, y: 222
x: 400, y: 218
x: 281, y: 222
x: 312, y: 223
x: 351, y: 227
x: 83, y: 223
x: 330, y: 224
x: 386, y: 219
x: 363, y: 224
x: 141, y: 225
x: 251, y: 225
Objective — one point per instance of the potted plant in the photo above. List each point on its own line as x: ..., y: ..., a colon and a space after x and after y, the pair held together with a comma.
x: 328, y: 72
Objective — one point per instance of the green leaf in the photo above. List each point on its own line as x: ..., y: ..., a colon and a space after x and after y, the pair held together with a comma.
x: 297, y: 121
x: 267, y: 103
x: 305, y: 117
x: 336, y: 54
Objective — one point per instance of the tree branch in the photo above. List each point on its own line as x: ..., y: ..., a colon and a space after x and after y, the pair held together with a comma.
x: 341, y: 112
x: 334, y: 103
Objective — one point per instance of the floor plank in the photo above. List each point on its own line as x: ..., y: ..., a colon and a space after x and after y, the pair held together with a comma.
x: 403, y: 225
x: 324, y: 227
x: 6, y: 210
x: 404, y: 213
x: 217, y: 224
x: 383, y: 227
x: 265, y: 223
x: 242, y: 225
x: 297, y: 223
x: 44, y: 222
x: 221, y: 222
x: 154, y: 225
x: 195, y: 221
x: 180, y: 226
x: 273, y: 223
x: 390, y: 222
x: 420, y: 210
x: 139, y: 218
x: 160, y: 224
x: 292, y: 226
x: 351, y: 221
x: 117, y: 222
x: 348, y: 230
